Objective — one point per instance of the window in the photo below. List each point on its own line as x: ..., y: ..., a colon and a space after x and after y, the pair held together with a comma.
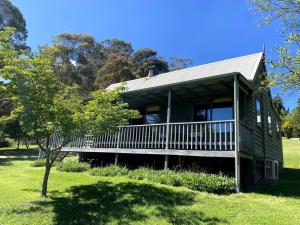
x: 152, y: 115
x: 258, y: 113
x: 270, y: 123
x: 202, y: 113
x: 218, y: 111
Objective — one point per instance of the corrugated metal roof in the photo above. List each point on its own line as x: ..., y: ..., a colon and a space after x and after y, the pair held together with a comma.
x: 245, y: 65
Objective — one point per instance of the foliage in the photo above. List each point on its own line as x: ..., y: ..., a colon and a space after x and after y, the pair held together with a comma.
x: 14, y: 130
x: 114, y: 47
x: 279, y: 106
x: 116, y: 69
x: 208, y: 182
x: 144, y: 58
x: 47, y: 108
x: 92, y: 64
x: 10, y: 16
x: 178, y: 63
x: 105, y: 111
x: 78, y: 58
x: 286, y: 72
x: 72, y: 165
x: 292, y: 123
x: 195, y: 181
x: 287, y: 129
x: 168, y: 177
x: 38, y: 163
x: 296, y: 119
x: 4, y: 142
x: 110, y: 171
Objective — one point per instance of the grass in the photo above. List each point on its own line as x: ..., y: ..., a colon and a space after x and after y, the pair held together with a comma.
x: 79, y: 198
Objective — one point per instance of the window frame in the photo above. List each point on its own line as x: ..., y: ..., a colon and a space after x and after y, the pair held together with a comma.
x: 153, y: 110
x: 258, y: 113
x: 270, y: 130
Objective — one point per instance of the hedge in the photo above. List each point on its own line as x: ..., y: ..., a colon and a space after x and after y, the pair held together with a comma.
x: 213, y: 183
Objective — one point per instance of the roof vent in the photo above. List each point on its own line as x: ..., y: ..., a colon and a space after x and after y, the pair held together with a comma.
x: 151, y: 71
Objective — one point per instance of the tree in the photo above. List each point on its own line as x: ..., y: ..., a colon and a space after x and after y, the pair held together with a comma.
x: 78, y: 58
x: 14, y: 130
x: 10, y: 16
x: 112, y: 47
x: 296, y: 119
x: 286, y: 71
x: 287, y: 129
x: 142, y: 59
x: 117, y: 68
x: 47, y: 107
x: 278, y: 104
x: 105, y: 111
x: 178, y: 63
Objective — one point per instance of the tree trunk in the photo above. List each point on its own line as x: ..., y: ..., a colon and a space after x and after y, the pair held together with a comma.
x: 26, y: 144
x: 46, y: 176
x: 18, y: 147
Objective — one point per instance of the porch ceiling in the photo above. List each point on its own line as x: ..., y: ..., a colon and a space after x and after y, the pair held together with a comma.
x: 205, y: 90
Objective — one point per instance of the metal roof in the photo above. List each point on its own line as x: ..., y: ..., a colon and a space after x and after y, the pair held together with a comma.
x: 245, y: 65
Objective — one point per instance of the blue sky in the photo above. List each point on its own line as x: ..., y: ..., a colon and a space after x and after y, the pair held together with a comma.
x: 205, y: 31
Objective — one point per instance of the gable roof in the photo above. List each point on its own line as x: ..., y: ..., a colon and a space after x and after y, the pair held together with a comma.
x: 245, y: 65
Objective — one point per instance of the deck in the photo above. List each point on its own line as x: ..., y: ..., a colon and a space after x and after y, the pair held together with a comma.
x: 209, y: 139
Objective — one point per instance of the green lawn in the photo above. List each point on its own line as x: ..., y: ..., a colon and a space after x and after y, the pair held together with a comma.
x: 78, y: 198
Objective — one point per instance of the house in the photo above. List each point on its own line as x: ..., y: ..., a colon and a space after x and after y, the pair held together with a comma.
x: 217, y: 114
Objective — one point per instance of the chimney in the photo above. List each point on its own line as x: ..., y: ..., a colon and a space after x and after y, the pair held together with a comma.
x: 151, y: 71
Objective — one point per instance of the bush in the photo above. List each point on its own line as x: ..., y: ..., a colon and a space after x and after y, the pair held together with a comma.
x: 196, y: 181
x: 72, y: 165
x: 6, y: 142
x: 208, y: 182
x: 168, y: 177
x: 38, y: 163
x: 112, y: 171
x: 287, y: 129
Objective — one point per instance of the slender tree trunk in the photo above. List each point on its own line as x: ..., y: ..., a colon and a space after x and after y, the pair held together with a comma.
x: 26, y: 142
x: 18, y: 147
x: 46, y: 176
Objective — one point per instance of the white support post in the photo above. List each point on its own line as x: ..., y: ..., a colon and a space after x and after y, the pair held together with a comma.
x: 166, y: 165
x: 116, y: 158
x: 236, y: 133
x: 168, y: 129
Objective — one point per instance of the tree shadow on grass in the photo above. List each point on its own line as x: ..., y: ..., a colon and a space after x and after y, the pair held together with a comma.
x: 9, y: 155
x: 123, y: 203
x: 288, y: 185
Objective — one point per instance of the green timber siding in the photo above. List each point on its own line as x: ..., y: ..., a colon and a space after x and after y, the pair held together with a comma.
x: 266, y: 146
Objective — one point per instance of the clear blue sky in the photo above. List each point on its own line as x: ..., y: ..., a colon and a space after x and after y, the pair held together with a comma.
x: 205, y: 31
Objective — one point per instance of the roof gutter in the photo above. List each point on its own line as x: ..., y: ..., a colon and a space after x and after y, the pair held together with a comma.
x: 243, y: 79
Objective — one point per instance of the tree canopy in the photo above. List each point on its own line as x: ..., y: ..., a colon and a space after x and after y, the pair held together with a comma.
x: 44, y: 105
x: 10, y: 16
x: 91, y: 64
x: 286, y: 73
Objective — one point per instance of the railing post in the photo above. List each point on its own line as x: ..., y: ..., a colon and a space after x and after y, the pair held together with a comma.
x: 118, y: 139
x: 116, y: 158
x: 168, y: 128
x: 236, y: 133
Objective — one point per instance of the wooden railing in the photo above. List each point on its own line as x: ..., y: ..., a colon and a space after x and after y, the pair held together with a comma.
x: 210, y: 135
